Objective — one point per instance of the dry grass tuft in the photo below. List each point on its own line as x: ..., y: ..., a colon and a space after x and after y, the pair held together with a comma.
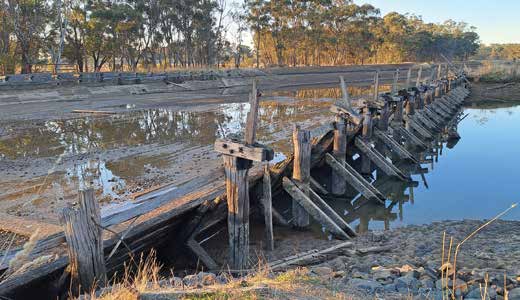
x: 449, y: 267
x: 135, y: 279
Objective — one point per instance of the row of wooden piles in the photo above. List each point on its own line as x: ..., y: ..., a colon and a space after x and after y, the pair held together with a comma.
x: 382, y: 130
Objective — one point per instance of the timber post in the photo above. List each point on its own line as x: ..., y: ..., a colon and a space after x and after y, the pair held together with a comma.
x: 268, y: 207
x: 85, y: 243
x: 301, y: 173
x: 366, y: 167
x: 345, y: 118
x: 238, y: 159
x: 339, y: 152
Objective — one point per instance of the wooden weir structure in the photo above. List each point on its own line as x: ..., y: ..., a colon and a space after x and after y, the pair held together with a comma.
x: 390, y: 134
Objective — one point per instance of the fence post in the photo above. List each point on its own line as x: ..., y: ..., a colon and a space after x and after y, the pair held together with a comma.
x: 85, y: 242
x: 301, y: 172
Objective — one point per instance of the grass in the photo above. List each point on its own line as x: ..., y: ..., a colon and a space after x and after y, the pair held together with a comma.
x: 261, y: 284
x: 449, y: 266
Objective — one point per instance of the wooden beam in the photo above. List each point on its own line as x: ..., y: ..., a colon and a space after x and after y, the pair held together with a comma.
x: 254, y: 152
x: 408, y: 78
x: 395, y: 146
x: 237, y: 190
x: 301, y: 172
x: 331, y: 213
x: 347, y: 114
x: 339, y: 151
x: 201, y: 254
x: 315, y: 185
x: 366, y: 133
x: 396, y: 82
x: 268, y: 208
x: 303, y: 199
x: 85, y: 243
x: 418, y: 81
x: 421, y: 130
x: 411, y: 137
x: 252, y: 116
x: 345, y: 103
x: 380, y: 160
x: 376, y: 86
x: 355, y: 179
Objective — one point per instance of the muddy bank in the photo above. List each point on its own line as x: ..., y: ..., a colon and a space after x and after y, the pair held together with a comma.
x: 398, y: 264
x: 485, y: 94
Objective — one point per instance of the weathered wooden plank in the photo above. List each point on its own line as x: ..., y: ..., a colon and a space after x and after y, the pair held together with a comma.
x: 237, y: 191
x: 331, y: 213
x: 421, y: 130
x: 376, y: 86
x: 297, y: 258
x: 339, y: 151
x: 433, y: 115
x: 426, y: 121
x: 303, y: 199
x: 85, y: 243
x: 204, y: 257
x: 268, y: 208
x: 395, y: 146
x: 412, y: 138
x: 345, y: 103
x: 366, y: 133
x: 354, y: 178
x: 419, y: 74
x: 301, y: 172
x: 252, y: 116
x: 347, y: 114
x: 379, y: 160
x: 254, y: 152
x: 315, y: 185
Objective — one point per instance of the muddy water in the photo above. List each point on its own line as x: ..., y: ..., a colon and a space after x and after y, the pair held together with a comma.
x: 46, y: 162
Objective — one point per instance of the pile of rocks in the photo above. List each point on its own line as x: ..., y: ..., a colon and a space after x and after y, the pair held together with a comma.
x: 399, y: 282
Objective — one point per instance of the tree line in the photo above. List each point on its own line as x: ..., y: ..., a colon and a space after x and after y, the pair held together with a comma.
x: 131, y: 35
x: 499, y: 52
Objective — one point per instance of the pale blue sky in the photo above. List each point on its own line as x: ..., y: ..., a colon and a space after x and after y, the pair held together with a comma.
x: 497, y: 21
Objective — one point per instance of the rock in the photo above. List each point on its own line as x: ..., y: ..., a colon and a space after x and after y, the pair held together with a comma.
x: 514, y: 294
x: 382, y: 274
x: 369, y: 286
x: 427, y: 283
x: 322, y: 271
x: 477, y: 293
x: 407, y: 283
x: 390, y: 288
x: 176, y: 281
x: 206, y: 278
x: 339, y: 274
x: 338, y: 263
x: 224, y: 279
x: 191, y: 280
x: 361, y: 275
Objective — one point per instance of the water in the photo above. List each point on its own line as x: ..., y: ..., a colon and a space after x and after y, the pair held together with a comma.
x: 477, y: 179
x: 116, y: 153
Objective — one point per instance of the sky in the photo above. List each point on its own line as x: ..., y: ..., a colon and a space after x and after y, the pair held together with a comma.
x: 497, y: 21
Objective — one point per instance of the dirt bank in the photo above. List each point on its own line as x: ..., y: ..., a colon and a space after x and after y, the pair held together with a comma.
x: 494, y: 94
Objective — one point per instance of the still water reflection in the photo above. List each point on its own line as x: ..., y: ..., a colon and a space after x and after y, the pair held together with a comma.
x: 477, y: 179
